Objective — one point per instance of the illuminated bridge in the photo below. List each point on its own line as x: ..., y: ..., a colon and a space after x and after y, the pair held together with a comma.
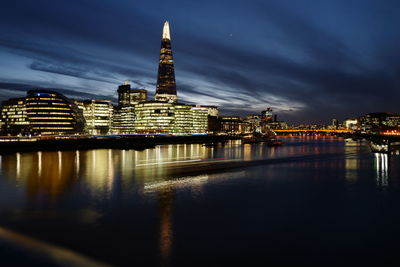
x: 314, y: 131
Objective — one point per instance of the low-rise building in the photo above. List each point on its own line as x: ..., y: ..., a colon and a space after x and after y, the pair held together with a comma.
x: 233, y: 125
x: 159, y: 117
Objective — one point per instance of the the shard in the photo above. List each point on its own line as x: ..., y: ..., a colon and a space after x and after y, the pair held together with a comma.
x: 166, y: 85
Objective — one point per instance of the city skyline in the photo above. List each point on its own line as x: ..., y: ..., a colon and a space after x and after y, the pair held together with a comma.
x: 300, y: 63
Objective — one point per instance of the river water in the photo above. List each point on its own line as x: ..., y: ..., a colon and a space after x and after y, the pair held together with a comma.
x: 325, y: 202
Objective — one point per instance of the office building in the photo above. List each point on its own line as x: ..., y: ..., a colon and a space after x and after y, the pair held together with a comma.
x: 51, y: 113
x: 166, y: 85
x: 159, y: 117
x: 200, y: 119
x: 124, y: 114
x: 14, y: 117
x: 98, y: 115
x: 233, y: 125
x: 128, y: 96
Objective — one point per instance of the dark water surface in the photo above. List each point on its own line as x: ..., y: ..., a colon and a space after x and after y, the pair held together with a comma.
x: 176, y: 206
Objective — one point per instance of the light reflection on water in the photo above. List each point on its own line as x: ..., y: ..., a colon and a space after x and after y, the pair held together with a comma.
x: 101, y: 181
x: 52, y: 173
x: 382, y: 168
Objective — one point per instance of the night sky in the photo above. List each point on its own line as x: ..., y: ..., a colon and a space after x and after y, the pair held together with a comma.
x: 309, y: 60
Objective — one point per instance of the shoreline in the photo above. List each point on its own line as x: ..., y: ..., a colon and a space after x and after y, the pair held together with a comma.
x: 136, y: 142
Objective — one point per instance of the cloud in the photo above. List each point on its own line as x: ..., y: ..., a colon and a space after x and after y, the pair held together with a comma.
x: 295, y: 57
x: 9, y: 90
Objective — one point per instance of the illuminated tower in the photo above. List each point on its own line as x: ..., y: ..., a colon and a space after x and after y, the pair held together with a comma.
x: 166, y: 86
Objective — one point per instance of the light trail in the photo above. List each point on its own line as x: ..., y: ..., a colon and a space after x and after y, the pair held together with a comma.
x: 168, y: 162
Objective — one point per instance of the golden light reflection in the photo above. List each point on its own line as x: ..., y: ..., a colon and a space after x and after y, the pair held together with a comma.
x: 39, y: 163
x: 59, y: 162
x: 98, y: 172
x: 47, y: 173
x: 247, y: 152
x: 77, y: 160
x: 351, y: 161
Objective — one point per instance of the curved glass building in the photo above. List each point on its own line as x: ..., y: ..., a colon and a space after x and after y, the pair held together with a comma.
x: 52, y: 113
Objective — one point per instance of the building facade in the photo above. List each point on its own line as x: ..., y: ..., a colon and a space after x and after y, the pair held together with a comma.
x: 159, y: 117
x: 98, y: 115
x: 166, y: 85
x: 233, y: 125
x: 51, y: 113
x: 128, y: 96
x: 14, y: 117
x: 124, y: 114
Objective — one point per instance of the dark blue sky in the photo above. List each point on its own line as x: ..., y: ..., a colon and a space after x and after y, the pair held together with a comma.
x: 309, y: 60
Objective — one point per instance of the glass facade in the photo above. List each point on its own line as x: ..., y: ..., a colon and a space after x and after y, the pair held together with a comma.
x: 52, y: 113
x: 166, y: 85
x: 97, y: 114
x: 14, y: 117
x: 158, y: 117
x: 123, y: 120
x: 128, y: 96
x: 124, y: 114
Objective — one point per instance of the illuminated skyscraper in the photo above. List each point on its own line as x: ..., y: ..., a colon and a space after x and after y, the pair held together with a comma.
x: 166, y: 85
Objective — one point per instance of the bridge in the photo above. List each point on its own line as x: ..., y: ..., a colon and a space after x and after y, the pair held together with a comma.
x: 385, y: 141
x: 341, y: 131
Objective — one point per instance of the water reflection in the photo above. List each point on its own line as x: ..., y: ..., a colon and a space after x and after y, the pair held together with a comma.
x: 352, y: 161
x: 52, y: 173
x: 381, y: 164
x: 100, y: 187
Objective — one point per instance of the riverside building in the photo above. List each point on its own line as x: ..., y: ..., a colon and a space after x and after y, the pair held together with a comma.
x: 160, y: 117
x: 124, y: 114
x: 51, y: 113
x: 13, y: 117
x: 42, y: 112
x: 98, y: 115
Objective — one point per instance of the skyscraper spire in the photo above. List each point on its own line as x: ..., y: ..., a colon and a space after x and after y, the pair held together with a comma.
x: 166, y: 34
x: 166, y: 85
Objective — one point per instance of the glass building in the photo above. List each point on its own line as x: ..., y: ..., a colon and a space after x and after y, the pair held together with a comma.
x: 159, y: 117
x: 14, y: 117
x: 128, y: 96
x: 52, y: 113
x: 166, y: 85
x: 97, y: 114
x: 124, y: 114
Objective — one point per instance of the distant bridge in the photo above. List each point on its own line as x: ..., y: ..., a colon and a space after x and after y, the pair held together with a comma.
x: 313, y: 131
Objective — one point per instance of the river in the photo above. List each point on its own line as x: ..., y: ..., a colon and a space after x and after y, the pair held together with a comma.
x: 314, y: 200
